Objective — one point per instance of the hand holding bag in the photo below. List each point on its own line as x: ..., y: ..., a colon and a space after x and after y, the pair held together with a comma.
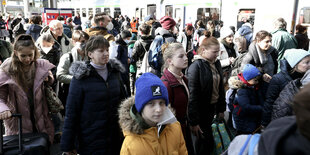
x: 53, y: 102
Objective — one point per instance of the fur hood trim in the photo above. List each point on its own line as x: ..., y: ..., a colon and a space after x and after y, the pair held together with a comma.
x: 235, y: 83
x: 127, y: 123
x: 80, y: 69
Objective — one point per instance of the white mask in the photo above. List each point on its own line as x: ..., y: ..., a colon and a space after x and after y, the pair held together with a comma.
x: 127, y: 41
x: 46, y: 49
x: 110, y: 26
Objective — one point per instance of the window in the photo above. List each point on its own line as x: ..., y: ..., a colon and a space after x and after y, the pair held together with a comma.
x: 177, y: 13
x: 117, y: 12
x: 83, y: 12
x: 151, y: 9
x: 90, y: 11
x: 168, y: 10
x: 206, y: 14
x: 78, y: 11
x: 304, y: 17
x: 107, y: 11
x: 245, y: 14
x: 98, y: 10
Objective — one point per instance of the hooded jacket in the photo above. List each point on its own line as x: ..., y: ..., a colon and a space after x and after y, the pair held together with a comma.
x: 163, y: 32
x: 247, y: 106
x: 94, y: 31
x: 148, y: 141
x: 200, y: 84
x: 277, y: 83
x: 13, y: 98
x: 91, y: 110
x: 34, y: 30
x: 283, y: 106
x: 246, y: 31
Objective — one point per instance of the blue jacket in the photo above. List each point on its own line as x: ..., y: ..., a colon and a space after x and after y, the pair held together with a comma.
x: 247, y: 32
x: 67, y: 30
x: 91, y: 120
x: 34, y: 30
x: 248, y: 109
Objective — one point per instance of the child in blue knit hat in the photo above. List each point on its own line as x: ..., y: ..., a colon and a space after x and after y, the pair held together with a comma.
x: 248, y: 102
x: 148, y: 125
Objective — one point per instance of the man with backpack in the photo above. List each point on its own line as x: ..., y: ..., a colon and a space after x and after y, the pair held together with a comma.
x: 164, y: 34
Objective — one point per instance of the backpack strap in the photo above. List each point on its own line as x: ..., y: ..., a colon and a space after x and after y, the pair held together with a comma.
x: 254, y: 140
x: 245, y: 145
x: 70, y: 57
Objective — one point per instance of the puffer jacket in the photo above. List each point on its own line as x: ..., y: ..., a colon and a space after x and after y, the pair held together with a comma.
x: 34, y: 30
x: 148, y: 140
x: 283, y: 106
x: 276, y: 85
x: 94, y: 31
x: 139, y: 51
x: 91, y: 110
x: 247, y: 32
x: 11, y: 94
x: 247, y: 106
x: 200, y: 84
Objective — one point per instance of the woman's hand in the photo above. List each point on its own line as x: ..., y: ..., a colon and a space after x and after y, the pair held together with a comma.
x: 5, y: 115
x: 197, y: 131
x: 267, y: 77
x: 231, y: 60
x: 50, y: 78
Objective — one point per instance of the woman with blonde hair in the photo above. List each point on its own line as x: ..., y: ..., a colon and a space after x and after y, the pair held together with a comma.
x: 207, y: 96
x: 175, y: 60
x: 22, y: 80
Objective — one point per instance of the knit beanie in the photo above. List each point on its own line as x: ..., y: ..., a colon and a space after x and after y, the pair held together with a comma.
x: 149, y: 87
x: 250, y: 72
x: 225, y: 32
x: 294, y: 56
x: 167, y: 22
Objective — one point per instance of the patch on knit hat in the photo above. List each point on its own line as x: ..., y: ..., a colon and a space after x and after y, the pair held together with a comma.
x: 156, y: 91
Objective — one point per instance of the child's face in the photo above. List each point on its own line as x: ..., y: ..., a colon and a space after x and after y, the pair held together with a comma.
x: 99, y: 56
x: 153, y: 111
x: 253, y: 81
x: 25, y: 55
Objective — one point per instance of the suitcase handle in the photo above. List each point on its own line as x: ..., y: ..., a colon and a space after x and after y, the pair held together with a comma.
x: 20, y: 133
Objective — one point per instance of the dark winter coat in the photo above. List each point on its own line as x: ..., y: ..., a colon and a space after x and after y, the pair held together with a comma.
x: 94, y: 31
x: 277, y: 83
x: 91, y: 112
x: 122, y: 56
x: 303, y: 41
x: 283, y: 106
x: 247, y: 32
x: 248, y: 107
x: 283, y: 137
x: 6, y: 50
x: 34, y: 30
x: 53, y: 56
x: 200, y: 83
x: 77, y: 20
x: 67, y: 30
x: 139, y: 51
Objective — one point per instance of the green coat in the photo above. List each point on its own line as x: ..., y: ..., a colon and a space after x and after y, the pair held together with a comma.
x: 282, y: 40
x: 5, y: 50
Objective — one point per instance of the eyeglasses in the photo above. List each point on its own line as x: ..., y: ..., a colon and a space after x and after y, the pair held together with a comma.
x: 24, y: 37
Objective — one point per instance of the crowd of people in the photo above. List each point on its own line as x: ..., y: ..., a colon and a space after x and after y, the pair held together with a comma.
x: 144, y: 86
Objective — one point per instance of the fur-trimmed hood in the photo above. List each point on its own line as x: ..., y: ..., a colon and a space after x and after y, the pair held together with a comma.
x: 126, y: 121
x: 80, y: 69
x: 235, y: 83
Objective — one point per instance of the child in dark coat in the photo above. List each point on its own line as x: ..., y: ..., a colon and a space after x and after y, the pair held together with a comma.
x: 248, y: 101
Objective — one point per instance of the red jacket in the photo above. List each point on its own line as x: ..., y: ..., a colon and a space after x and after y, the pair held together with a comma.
x: 177, y: 95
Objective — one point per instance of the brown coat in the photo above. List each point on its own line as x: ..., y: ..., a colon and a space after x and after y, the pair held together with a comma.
x: 13, y: 98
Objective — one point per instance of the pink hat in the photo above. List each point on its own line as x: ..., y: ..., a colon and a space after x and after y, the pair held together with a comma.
x: 167, y: 22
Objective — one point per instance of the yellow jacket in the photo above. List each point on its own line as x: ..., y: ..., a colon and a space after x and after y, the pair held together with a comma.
x: 147, y: 142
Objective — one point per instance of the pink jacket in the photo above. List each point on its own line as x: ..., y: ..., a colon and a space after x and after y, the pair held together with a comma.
x: 13, y: 98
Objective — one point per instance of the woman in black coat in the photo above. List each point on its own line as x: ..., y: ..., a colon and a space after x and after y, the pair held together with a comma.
x: 96, y: 90
x: 207, y: 98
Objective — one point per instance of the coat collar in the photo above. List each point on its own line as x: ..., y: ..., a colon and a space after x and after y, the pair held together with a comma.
x: 172, y: 80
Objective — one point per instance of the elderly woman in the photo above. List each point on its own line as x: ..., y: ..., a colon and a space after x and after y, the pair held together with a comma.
x: 207, y: 97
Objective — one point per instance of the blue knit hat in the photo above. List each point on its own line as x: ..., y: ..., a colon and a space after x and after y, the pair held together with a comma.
x: 149, y: 87
x: 294, y: 56
x: 250, y: 72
